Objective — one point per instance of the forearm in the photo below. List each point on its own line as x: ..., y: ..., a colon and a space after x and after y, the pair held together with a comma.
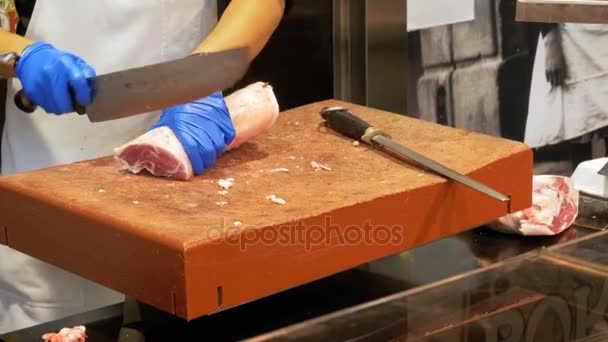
x: 10, y: 42
x: 245, y: 23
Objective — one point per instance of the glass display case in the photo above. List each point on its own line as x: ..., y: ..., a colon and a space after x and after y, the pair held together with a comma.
x: 551, y: 294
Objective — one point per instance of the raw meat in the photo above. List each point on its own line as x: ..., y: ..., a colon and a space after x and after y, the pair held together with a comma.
x: 157, y: 151
x: 253, y: 109
x: 75, y: 334
x: 318, y: 167
x: 554, y: 209
x: 275, y: 199
x: 226, y: 183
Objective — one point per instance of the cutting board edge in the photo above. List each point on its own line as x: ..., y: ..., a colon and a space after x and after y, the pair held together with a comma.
x: 119, y: 225
x: 144, y: 266
x: 518, y: 187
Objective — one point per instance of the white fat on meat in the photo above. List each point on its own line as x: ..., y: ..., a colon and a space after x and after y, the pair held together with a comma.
x: 253, y: 110
x: 554, y: 209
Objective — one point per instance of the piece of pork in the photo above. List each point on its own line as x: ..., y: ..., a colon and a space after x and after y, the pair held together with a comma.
x: 554, y: 209
x: 253, y: 110
x: 75, y: 334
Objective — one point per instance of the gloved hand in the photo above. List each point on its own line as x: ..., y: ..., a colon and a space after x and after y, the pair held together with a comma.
x: 48, y: 77
x: 204, y: 128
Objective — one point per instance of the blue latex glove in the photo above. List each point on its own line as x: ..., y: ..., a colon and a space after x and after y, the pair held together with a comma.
x: 204, y: 128
x: 47, y: 74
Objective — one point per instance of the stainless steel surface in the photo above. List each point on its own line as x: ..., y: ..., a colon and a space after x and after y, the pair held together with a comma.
x: 402, y: 151
x: 349, y: 51
x: 386, y: 54
x: 554, y: 294
x: 371, y: 53
x: 560, y: 11
x: 149, y: 88
x: 593, y: 212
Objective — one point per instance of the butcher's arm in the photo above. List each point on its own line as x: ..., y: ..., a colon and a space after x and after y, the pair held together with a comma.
x: 245, y: 23
x: 10, y: 42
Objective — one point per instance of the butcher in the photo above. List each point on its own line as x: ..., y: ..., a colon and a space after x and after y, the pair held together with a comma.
x: 61, y: 43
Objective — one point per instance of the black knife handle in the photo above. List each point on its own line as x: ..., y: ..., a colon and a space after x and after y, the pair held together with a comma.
x: 78, y: 108
x: 23, y: 103
x: 27, y: 106
x: 343, y: 122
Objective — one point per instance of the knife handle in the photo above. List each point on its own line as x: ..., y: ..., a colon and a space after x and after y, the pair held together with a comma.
x: 78, y: 108
x: 23, y: 103
x: 343, y: 122
x: 27, y: 106
x: 347, y: 124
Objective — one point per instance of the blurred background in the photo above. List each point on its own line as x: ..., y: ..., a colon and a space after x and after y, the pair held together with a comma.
x: 477, y: 75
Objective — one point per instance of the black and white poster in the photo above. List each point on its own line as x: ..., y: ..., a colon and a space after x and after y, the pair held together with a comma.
x: 542, y: 84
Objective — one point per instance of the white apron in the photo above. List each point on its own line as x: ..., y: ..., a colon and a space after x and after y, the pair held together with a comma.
x: 110, y: 35
x: 579, y: 107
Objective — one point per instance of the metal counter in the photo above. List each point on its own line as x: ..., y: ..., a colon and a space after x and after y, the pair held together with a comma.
x: 478, y: 286
x: 554, y: 294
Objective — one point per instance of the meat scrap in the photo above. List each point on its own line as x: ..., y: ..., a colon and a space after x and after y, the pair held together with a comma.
x: 554, y: 209
x: 75, y: 334
x: 275, y: 199
x: 318, y: 167
x: 253, y: 110
x: 279, y: 169
x: 226, y: 183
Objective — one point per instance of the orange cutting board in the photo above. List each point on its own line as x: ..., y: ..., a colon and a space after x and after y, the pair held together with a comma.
x: 173, y: 245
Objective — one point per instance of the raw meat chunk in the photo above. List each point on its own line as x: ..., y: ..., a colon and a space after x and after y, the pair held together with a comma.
x: 75, y: 334
x: 253, y: 110
x: 554, y: 209
x: 157, y: 151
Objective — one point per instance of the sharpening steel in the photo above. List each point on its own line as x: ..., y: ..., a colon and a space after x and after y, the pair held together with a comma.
x: 346, y: 123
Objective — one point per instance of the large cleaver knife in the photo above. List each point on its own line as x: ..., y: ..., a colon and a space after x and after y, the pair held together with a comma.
x: 154, y: 87
x: 347, y: 124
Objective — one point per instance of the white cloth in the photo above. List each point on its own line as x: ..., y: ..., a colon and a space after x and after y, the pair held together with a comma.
x: 110, y: 35
x: 579, y: 107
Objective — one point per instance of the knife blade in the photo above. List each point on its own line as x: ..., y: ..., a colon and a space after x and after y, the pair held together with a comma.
x: 154, y: 87
x: 347, y: 124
